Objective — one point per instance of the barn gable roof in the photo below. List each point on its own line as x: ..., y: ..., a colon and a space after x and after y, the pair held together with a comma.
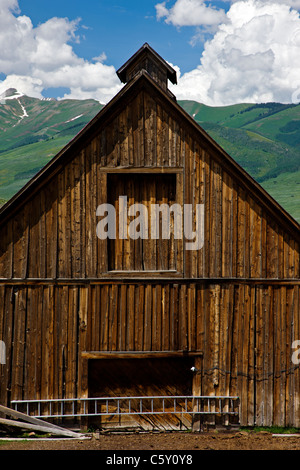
x: 143, y: 80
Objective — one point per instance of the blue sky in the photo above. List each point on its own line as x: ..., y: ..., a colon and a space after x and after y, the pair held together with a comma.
x: 119, y: 28
x: 224, y: 51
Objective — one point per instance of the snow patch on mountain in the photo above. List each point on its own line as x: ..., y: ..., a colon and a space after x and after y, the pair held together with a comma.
x: 11, y: 94
x: 23, y: 109
x: 74, y: 118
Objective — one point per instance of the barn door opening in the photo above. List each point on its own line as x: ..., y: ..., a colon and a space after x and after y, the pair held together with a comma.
x: 139, y: 377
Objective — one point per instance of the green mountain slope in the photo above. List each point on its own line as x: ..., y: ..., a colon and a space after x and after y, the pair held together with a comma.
x: 263, y: 138
x: 33, y: 131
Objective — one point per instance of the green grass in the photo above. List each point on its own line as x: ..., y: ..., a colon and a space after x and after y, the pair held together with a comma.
x: 271, y: 429
x: 24, y: 436
x: 259, y: 157
x: 221, y: 115
x: 260, y: 138
x: 283, y: 126
x: 285, y: 189
x: 18, y: 166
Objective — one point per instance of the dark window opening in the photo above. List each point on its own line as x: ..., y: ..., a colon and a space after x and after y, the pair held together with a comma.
x: 142, y: 203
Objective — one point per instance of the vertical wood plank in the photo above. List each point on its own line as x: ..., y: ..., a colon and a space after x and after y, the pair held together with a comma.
x: 19, y: 344
x: 82, y: 342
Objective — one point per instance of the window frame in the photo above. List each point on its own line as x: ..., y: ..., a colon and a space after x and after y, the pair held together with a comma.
x: 178, y: 172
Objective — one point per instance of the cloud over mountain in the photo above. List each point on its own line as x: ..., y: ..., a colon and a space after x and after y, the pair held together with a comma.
x: 252, y: 56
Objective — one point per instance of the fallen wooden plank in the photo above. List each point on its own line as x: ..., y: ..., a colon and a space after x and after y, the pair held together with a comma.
x: 30, y: 419
x: 34, y: 427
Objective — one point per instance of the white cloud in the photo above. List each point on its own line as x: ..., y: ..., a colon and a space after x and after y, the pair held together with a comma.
x: 292, y: 3
x: 27, y: 85
x: 190, y: 13
x: 253, y: 57
x: 34, y: 59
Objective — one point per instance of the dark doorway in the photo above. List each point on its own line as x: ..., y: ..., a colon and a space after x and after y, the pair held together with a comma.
x: 142, y: 377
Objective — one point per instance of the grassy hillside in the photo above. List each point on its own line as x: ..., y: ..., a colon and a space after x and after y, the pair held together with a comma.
x: 19, y: 165
x: 263, y: 138
x: 44, y: 120
x: 285, y: 188
x: 32, y: 132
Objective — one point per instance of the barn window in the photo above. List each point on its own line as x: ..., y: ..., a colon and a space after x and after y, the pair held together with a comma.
x: 145, y: 218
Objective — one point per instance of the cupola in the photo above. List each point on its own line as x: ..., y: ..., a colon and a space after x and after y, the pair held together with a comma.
x: 149, y: 60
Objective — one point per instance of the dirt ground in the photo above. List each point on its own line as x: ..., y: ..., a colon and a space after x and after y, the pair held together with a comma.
x: 213, y: 440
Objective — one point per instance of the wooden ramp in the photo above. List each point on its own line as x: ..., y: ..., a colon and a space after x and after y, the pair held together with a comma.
x: 23, y: 421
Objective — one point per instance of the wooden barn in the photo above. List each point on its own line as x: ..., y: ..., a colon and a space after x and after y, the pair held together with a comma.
x: 85, y: 316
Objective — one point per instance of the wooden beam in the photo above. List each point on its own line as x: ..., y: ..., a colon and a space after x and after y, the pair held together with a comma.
x: 138, y: 354
x: 130, y: 277
x: 33, y: 420
x: 34, y: 427
x: 139, y: 170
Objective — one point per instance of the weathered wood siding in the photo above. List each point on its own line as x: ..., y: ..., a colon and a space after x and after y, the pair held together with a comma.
x: 54, y: 234
x: 245, y: 333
